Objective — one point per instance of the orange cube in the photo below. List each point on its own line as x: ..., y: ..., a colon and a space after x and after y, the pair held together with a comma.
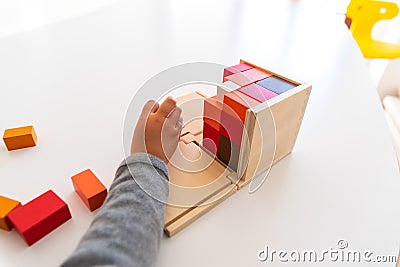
x: 20, y: 137
x: 6, y: 206
x: 89, y: 189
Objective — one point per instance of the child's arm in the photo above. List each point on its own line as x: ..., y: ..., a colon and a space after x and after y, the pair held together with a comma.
x: 127, y: 229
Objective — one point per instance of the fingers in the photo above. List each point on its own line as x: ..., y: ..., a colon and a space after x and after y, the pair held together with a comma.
x: 151, y: 106
x: 167, y: 107
x: 175, y: 117
x: 179, y: 124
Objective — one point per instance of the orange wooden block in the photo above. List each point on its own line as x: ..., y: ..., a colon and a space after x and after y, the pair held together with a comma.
x: 212, y: 110
x: 89, y: 189
x: 21, y: 137
x: 240, y: 103
x: 6, y: 206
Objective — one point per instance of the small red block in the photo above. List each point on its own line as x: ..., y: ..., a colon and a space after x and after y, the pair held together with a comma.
x: 239, y: 103
x: 210, y: 137
x: 89, y: 189
x: 40, y: 216
x: 257, y: 92
x: 231, y: 128
x: 237, y: 68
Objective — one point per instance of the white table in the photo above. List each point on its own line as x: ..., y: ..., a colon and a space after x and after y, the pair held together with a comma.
x: 74, y: 80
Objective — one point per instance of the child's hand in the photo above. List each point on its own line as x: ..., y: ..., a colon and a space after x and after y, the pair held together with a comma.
x: 158, y: 129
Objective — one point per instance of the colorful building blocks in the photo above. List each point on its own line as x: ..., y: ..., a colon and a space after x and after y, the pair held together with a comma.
x: 247, y: 127
x: 228, y: 152
x: 6, y: 206
x: 211, y: 137
x: 89, y: 188
x: 276, y: 84
x: 225, y: 88
x: 257, y: 92
x: 240, y: 103
x: 21, y: 137
x: 235, y: 69
x: 40, y: 216
x: 257, y: 74
x: 240, y: 79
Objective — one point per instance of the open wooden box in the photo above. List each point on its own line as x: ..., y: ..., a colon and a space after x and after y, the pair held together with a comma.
x: 201, y: 176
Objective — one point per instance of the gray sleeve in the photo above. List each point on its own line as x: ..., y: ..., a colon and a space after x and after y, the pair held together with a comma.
x: 128, y: 227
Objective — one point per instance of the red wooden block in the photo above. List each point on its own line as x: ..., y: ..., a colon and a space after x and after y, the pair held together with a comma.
x: 231, y: 128
x: 257, y: 74
x: 237, y: 68
x: 240, y: 102
x: 40, y: 216
x: 210, y: 138
x: 89, y: 189
x: 257, y: 92
x: 240, y: 79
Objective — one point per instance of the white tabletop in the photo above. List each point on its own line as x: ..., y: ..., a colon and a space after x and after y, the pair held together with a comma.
x: 74, y: 80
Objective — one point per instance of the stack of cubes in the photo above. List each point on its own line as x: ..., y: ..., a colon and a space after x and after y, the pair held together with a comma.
x: 244, y: 86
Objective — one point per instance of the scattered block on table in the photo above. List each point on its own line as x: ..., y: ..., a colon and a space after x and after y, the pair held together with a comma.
x: 6, y: 206
x: 257, y: 74
x: 276, y: 84
x: 257, y: 92
x: 231, y: 127
x: 225, y: 88
x: 211, y: 137
x: 228, y: 152
x: 240, y: 103
x: 235, y: 69
x: 240, y: 79
x: 21, y: 137
x: 189, y: 215
x: 40, y: 216
x: 90, y: 189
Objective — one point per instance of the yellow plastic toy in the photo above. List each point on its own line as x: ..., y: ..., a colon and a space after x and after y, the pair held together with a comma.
x: 363, y: 15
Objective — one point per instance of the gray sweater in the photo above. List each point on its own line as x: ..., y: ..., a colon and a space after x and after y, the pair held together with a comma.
x: 127, y: 229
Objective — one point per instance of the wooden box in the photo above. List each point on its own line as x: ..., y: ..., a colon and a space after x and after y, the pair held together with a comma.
x: 200, y: 175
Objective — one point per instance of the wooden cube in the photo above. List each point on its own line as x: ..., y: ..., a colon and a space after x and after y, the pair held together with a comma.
x: 240, y: 79
x: 231, y: 127
x: 89, y: 188
x: 276, y: 84
x: 235, y: 69
x: 21, y: 137
x: 257, y: 74
x: 270, y: 116
x: 240, y: 103
x: 225, y: 88
x: 6, y: 206
x: 211, y: 137
x: 257, y: 92
x: 228, y: 152
x: 40, y: 216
